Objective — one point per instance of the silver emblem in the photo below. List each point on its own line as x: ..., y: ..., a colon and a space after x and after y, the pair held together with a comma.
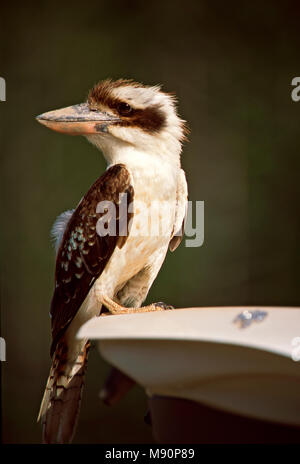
x: 246, y: 318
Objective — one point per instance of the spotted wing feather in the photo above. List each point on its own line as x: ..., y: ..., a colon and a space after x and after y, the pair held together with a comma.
x: 83, y: 254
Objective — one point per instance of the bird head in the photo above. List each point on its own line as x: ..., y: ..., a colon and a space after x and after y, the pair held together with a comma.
x: 121, y: 115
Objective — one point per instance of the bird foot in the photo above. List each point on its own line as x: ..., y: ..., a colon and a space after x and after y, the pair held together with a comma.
x: 163, y: 305
x: 116, y: 308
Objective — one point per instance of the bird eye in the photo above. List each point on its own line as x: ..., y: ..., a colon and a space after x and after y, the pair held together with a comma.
x: 124, y: 109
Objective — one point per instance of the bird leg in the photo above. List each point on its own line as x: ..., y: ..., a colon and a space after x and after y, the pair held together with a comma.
x: 116, y: 308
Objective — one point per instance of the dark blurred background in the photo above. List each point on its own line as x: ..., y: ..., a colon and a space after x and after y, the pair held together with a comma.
x: 231, y: 65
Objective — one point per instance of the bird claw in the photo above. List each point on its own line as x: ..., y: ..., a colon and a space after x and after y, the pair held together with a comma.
x: 163, y: 305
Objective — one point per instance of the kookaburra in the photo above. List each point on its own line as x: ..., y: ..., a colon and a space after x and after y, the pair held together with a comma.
x: 140, y: 135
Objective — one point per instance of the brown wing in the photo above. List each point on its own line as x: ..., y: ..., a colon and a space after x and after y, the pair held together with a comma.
x: 181, y: 211
x: 176, y: 239
x: 83, y: 253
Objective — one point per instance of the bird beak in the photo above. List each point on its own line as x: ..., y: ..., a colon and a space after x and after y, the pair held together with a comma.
x: 77, y: 120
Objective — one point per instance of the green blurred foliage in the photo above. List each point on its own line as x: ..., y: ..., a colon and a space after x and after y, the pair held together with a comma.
x: 231, y: 66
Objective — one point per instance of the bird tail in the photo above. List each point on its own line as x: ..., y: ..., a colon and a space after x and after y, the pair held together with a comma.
x: 61, y: 401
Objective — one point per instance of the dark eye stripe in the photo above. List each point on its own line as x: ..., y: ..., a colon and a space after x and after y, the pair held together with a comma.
x: 151, y: 119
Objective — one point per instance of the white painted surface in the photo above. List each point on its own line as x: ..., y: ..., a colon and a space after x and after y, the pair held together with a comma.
x: 200, y: 354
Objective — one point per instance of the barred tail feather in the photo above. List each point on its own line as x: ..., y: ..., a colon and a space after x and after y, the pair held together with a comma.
x: 61, y: 401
